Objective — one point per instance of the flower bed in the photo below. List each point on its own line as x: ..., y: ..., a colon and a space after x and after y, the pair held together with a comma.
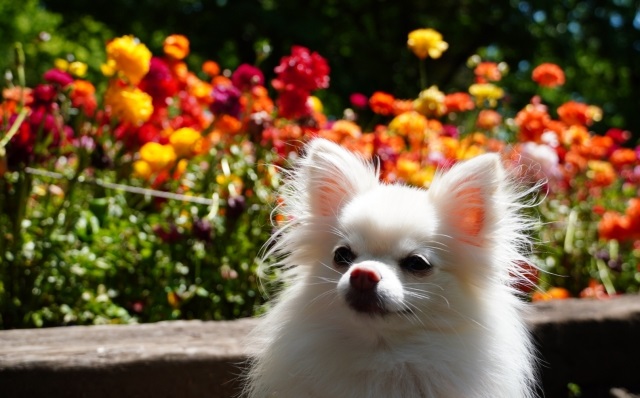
x: 146, y: 195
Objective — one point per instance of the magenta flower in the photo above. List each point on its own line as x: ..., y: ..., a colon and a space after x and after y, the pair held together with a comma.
x: 58, y: 77
x: 247, y: 76
x: 226, y: 100
x: 359, y: 100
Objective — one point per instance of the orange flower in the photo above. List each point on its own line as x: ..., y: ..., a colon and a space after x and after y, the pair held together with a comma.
x: 597, y: 147
x: 402, y: 106
x: 487, y: 71
x: 573, y: 112
x: 532, y: 121
x: 83, y: 96
x: 614, y: 226
x: 346, y: 128
x: 16, y: 94
x: 340, y: 130
x: 228, y: 124
x: 623, y: 157
x: 176, y: 46
x: 221, y: 80
x: 382, y: 103
x: 488, y: 119
x: 258, y: 99
x: 575, y: 135
x: 633, y: 211
x: 595, y: 290
x: 458, y: 102
x: 555, y: 293
x: 211, y: 68
x: 548, y: 75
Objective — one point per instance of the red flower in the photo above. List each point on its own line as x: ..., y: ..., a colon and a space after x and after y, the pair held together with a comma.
x: 619, y: 136
x: 302, y: 70
x: 44, y: 95
x: 292, y: 104
x: 246, y: 77
x: 159, y: 82
x: 39, y: 124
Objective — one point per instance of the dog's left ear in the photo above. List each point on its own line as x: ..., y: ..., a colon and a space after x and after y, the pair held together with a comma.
x: 468, y: 195
x: 332, y: 176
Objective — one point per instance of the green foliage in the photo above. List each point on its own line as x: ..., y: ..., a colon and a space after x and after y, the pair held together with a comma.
x: 46, y: 35
x: 77, y: 257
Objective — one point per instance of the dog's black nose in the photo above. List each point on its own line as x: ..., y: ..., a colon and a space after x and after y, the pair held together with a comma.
x: 363, y: 278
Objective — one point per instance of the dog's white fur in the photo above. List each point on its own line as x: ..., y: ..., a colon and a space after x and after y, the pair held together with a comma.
x: 453, y: 331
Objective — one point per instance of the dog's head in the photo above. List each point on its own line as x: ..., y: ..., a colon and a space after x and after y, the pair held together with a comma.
x: 384, y: 250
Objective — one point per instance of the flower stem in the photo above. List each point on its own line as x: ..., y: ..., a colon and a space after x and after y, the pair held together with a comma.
x: 423, y: 74
x: 20, y: 61
x: 603, y: 272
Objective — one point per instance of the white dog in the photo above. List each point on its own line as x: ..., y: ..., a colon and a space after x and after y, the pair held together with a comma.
x: 393, y: 291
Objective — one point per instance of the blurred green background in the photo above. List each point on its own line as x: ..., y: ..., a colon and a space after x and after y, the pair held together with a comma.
x: 596, y: 42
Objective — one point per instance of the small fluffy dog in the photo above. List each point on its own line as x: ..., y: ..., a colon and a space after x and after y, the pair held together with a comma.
x: 393, y: 291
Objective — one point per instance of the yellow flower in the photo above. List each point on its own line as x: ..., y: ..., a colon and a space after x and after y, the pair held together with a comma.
x: 315, y: 103
x: 130, y: 104
x: 158, y: 157
x: 184, y: 141
x: 430, y: 102
x: 130, y: 57
x: 78, y: 68
x: 427, y: 43
x: 142, y: 169
x: 409, y: 124
x: 412, y: 172
x: 486, y: 92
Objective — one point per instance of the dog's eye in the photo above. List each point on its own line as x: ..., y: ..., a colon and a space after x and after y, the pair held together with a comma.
x: 343, y: 256
x: 415, y: 263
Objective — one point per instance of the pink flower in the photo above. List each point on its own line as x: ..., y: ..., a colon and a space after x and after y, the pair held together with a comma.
x: 359, y: 100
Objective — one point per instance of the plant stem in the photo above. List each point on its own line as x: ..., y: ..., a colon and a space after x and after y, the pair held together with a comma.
x: 423, y: 74
x: 13, y: 130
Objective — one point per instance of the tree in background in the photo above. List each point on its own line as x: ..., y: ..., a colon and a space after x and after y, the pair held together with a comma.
x: 596, y: 42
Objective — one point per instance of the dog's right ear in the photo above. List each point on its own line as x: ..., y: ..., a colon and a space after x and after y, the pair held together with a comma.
x: 332, y: 176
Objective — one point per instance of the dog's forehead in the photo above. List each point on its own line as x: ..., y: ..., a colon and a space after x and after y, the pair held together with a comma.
x: 389, y: 216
